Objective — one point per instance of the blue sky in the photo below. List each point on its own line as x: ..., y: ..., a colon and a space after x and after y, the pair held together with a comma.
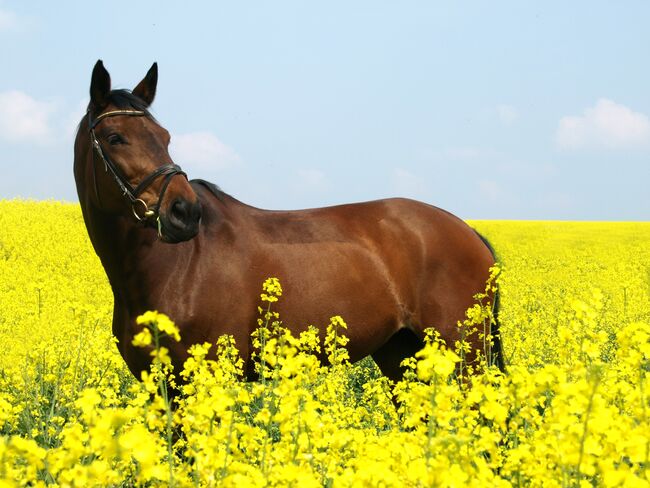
x: 492, y: 110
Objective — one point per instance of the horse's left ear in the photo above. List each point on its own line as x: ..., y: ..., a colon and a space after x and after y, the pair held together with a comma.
x: 146, y: 89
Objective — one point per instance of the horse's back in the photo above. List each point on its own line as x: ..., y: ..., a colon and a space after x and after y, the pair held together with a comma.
x: 417, y: 259
x: 408, y: 236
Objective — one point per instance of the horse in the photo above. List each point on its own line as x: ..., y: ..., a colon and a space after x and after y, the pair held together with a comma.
x: 391, y: 268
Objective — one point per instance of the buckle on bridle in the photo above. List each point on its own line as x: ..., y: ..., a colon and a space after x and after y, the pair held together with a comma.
x: 146, y: 212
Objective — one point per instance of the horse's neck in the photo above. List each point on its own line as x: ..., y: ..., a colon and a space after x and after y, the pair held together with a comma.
x: 118, y: 243
x: 138, y: 264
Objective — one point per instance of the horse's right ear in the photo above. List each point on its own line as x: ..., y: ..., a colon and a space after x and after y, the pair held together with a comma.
x: 100, y: 86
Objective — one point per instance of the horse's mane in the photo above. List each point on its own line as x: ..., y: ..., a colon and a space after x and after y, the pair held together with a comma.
x: 211, y: 187
x: 124, y: 99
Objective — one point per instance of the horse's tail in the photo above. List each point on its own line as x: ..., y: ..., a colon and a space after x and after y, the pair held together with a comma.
x: 496, y: 358
x: 497, y: 348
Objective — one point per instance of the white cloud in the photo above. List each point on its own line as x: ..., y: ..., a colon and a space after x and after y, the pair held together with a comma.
x: 491, y: 190
x: 202, y: 151
x: 555, y: 203
x: 507, y: 114
x: 73, y: 118
x: 307, y: 183
x: 311, y: 179
x: 23, y: 118
x: 501, y: 194
x: 408, y: 184
x: 606, y: 125
x: 462, y: 153
x: 8, y: 20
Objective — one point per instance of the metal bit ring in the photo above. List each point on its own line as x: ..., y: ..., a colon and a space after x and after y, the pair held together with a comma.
x: 146, y: 212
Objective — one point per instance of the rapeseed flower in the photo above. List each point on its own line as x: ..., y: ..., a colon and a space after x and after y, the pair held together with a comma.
x: 571, y: 411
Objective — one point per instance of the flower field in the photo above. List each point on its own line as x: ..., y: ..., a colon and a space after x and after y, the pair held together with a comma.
x: 572, y: 410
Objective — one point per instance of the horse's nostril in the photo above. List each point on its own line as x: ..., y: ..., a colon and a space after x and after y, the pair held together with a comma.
x: 184, y: 213
x: 180, y: 211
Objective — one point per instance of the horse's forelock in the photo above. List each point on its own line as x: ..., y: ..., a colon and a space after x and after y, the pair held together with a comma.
x: 123, y: 99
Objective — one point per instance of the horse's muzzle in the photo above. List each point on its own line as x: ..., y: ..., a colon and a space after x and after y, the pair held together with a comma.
x: 181, y: 221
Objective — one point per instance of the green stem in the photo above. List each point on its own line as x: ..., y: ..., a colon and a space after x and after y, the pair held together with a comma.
x: 431, y: 427
x: 228, y: 444
x: 585, y: 429
x: 162, y: 387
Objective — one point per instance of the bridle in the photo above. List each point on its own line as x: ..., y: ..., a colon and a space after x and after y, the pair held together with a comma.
x: 168, y: 170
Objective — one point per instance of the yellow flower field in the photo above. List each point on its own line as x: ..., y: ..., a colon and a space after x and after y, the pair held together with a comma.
x: 573, y: 409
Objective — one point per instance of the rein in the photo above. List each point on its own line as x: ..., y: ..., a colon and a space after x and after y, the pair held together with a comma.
x: 168, y: 170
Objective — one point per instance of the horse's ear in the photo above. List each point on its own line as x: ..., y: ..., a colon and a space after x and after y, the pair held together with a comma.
x: 100, y: 86
x: 146, y: 89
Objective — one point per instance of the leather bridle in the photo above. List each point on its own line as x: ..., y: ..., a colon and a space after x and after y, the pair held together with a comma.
x: 168, y: 171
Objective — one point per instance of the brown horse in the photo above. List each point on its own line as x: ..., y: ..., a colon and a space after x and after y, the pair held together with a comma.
x: 390, y: 268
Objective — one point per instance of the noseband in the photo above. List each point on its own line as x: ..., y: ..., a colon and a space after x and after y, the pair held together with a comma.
x: 138, y: 205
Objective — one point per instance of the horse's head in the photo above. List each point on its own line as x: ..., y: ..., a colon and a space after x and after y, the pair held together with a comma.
x: 122, y: 163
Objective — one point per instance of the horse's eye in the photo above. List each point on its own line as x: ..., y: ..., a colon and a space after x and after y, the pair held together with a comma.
x: 115, y: 139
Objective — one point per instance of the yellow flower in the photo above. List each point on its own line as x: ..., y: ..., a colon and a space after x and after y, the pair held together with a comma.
x: 572, y: 410
x: 88, y: 400
x: 142, y: 338
x: 161, y: 322
x: 432, y: 360
x: 272, y: 290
